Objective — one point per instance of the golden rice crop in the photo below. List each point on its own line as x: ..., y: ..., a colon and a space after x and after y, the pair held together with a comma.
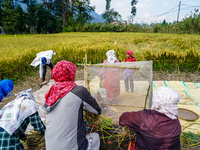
x: 18, y: 52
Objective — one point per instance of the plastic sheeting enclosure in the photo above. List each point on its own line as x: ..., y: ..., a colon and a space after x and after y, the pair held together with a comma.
x: 128, y: 86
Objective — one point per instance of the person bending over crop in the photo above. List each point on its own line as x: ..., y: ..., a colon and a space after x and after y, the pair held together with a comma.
x: 157, y: 128
x: 64, y: 111
x: 43, y: 59
x: 6, y: 86
x: 14, y: 119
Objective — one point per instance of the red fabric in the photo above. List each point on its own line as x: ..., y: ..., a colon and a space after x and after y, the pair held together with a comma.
x: 64, y: 74
x: 154, y: 130
x: 130, y: 60
x: 131, y: 145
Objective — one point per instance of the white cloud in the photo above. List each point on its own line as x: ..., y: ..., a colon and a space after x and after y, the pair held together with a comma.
x: 140, y: 5
x: 146, y: 15
x: 165, y: 3
x: 99, y: 5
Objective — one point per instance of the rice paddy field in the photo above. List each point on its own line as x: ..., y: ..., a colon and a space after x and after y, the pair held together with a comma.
x: 170, y: 52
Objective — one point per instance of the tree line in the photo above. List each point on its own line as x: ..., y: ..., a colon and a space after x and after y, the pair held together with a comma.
x: 189, y: 25
x: 47, y: 16
x: 54, y: 16
x: 50, y: 16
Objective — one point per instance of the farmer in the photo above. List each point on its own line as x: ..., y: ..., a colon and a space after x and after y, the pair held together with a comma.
x: 64, y: 111
x: 101, y: 97
x: 158, y: 128
x: 43, y: 59
x: 128, y: 73
x: 15, y: 117
x: 110, y: 77
x: 6, y: 86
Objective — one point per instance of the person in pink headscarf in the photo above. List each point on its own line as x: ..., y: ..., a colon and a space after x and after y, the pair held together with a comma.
x: 128, y: 73
x: 158, y: 128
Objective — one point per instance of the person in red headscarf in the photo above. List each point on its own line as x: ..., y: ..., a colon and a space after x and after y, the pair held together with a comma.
x: 65, y: 128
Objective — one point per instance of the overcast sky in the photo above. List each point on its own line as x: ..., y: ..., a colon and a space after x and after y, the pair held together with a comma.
x: 150, y: 11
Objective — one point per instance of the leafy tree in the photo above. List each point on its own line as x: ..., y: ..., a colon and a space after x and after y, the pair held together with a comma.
x: 31, y: 14
x: 8, y: 17
x: 1, y: 15
x: 45, y: 20
x: 110, y: 15
x: 83, y: 10
x: 20, y: 20
x: 133, y: 8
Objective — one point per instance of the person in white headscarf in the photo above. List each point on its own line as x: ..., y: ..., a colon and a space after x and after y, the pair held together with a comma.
x: 43, y: 59
x: 110, y: 77
x: 156, y: 128
x: 14, y: 119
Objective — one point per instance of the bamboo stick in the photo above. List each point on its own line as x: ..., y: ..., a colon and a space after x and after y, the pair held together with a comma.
x: 108, y: 66
x: 86, y: 74
x: 146, y: 97
x: 119, y: 105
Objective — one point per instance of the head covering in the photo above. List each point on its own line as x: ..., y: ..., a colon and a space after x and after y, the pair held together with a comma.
x: 165, y: 100
x: 6, y: 86
x: 111, y: 58
x: 44, y: 60
x: 64, y: 75
x: 102, y: 92
x: 130, y: 53
x: 16, y: 111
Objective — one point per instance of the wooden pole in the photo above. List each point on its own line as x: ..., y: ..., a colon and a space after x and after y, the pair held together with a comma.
x: 146, y: 97
x: 86, y: 74
x: 108, y: 66
x: 178, y: 10
x: 119, y: 105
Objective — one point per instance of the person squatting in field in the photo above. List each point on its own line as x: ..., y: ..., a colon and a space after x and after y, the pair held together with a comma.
x: 14, y: 119
x: 110, y: 77
x: 65, y: 127
x: 43, y: 59
x: 6, y: 86
x: 158, y: 128
x: 128, y: 73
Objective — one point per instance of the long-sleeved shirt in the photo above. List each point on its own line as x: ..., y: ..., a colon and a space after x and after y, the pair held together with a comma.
x: 130, y: 59
x: 65, y: 123
x: 41, y: 67
x: 12, y: 142
x: 154, y: 130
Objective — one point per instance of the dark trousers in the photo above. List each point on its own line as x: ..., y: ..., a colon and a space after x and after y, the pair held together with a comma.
x: 45, y: 70
x: 126, y: 81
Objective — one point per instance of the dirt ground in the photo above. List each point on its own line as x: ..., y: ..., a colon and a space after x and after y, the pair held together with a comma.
x: 34, y: 83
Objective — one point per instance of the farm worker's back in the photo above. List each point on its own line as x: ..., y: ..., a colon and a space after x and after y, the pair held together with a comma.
x: 64, y: 111
x: 43, y: 59
x: 6, y: 86
x: 158, y: 128
x: 15, y: 118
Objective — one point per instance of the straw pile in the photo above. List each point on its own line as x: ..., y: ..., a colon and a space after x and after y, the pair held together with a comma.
x: 110, y: 132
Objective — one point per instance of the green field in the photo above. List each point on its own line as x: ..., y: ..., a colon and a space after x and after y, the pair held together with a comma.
x: 168, y: 51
